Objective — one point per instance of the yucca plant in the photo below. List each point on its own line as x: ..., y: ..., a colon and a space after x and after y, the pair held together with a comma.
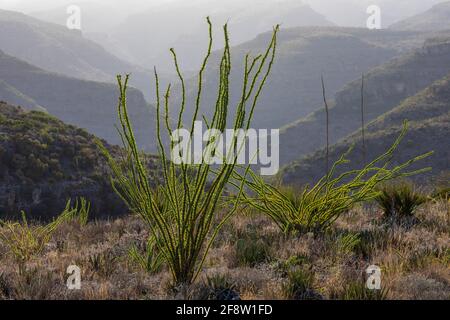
x: 315, y: 209
x: 181, y: 213
x: 399, y: 201
x: 25, y: 240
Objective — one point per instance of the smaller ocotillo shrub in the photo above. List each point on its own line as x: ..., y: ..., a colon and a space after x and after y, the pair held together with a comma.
x: 315, y: 209
x: 399, y: 201
x: 25, y: 240
x: 83, y: 207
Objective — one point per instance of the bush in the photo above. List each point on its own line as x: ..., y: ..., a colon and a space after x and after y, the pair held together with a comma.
x: 25, y: 240
x: 399, y: 201
x: 251, y: 252
x: 103, y: 263
x: 282, y: 267
x: 371, y: 240
x: 441, y: 193
x: 218, y: 287
x: 316, y: 209
x: 299, y: 285
x: 346, y: 244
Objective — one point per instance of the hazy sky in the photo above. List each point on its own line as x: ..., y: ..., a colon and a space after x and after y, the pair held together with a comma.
x: 342, y: 12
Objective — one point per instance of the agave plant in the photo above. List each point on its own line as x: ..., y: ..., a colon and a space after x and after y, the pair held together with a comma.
x: 182, y: 213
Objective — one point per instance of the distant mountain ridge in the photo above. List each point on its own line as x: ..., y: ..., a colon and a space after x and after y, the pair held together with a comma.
x: 293, y: 89
x: 428, y: 113
x: 304, y: 54
x: 435, y: 19
x: 87, y: 104
x: 385, y: 87
x: 55, y: 48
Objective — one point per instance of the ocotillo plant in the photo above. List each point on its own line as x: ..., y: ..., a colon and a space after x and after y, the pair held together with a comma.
x: 25, y: 240
x: 182, y: 213
x: 315, y: 209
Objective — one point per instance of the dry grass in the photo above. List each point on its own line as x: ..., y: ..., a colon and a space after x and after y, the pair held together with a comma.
x: 251, y: 257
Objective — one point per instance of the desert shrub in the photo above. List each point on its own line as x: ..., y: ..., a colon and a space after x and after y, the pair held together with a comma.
x: 181, y: 214
x: 315, y: 209
x: 357, y: 290
x: 347, y: 243
x: 6, y: 288
x: 445, y: 258
x: 103, y: 263
x: 34, y: 284
x: 369, y: 241
x: 300, y: 285
x: 217, y: 287
x: 283, y: 266
x: 441, y: 186
x: 441, y: 193
x: 251, y: 252
x: 25, y: 240
x: 399, y: 201
x: 149, y: 260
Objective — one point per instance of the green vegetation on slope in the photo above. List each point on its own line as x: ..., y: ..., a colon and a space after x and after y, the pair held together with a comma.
x: 44, y: 162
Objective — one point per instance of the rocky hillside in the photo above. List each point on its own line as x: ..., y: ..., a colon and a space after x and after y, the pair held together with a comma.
x: 385, y: 87
x: 428, y: 114
x: 86, y: 104
x: 44, y: 162
x: 437, y: 18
